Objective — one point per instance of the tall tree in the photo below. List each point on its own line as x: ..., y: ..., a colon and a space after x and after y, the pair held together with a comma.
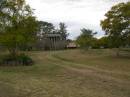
x: 46, y: 27
x: 103, y: 42
x: 85, y: 40
x: 17, y: 25
x: 117, y: 24
x: 63, y: 30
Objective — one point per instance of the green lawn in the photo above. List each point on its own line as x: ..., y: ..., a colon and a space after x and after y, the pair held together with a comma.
x: 69, y: 73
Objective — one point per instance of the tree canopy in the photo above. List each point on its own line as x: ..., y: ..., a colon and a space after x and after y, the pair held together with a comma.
x: 85, y: 39
x: 18, y: 26
x: 46, y: 27
x: 63, y: 30
x: 117, y: 24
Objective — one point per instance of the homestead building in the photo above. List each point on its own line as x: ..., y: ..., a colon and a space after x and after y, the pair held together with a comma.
x: 51, y: 41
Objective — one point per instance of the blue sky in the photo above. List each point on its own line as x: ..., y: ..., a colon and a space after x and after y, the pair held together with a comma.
x: 76, y: 14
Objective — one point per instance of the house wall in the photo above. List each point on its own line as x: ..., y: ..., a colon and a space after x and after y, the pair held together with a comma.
x: 52, y: 42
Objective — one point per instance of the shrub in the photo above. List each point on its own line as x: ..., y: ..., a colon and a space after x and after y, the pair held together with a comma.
x: 18, y: 60
x: 24, y: 60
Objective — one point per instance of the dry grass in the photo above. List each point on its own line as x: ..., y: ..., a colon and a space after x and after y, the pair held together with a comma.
x: 70, y: 73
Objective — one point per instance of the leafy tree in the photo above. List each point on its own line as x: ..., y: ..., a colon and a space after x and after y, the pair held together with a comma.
x: 17, y: 25
x: 46, y: 27
x: 63, y: 30
x: 94, y: 43
x: 85, y: 40
x: 103, y: 42
x: 117, y: 24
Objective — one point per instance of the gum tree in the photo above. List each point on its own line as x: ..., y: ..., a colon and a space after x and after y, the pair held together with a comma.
x: 117, y: 25
x: 86, y: 38
x: 18, y: 26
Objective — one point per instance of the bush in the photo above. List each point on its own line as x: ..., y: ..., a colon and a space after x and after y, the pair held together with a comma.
x: 25, y: 60
x: 18, y: 60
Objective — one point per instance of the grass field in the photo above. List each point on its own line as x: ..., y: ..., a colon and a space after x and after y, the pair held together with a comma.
x: 69, y: 73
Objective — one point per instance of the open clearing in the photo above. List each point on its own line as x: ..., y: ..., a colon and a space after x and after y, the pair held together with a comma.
x: 69, y: 73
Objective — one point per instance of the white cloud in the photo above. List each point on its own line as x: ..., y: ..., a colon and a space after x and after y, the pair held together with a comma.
x: 75, y: 13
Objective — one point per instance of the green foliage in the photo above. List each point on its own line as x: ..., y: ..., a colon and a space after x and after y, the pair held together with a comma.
x: 22, y: 59
x: 104, y: 42
x: 85, y: 40
x: 117, y: 24
x: 17, y: 25
x: 46, y: 27
x: 63, y: 30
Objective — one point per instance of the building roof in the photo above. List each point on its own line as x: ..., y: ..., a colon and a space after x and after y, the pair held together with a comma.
x: 72, y: 45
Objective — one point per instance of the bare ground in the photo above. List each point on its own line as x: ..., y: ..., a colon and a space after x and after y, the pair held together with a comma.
x: 68, y: 74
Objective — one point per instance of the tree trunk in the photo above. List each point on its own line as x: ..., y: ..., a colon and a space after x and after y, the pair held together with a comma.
x: 117, y: 52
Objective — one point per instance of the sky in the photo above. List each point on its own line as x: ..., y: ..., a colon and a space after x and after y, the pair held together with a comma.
x: 76, y: 14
